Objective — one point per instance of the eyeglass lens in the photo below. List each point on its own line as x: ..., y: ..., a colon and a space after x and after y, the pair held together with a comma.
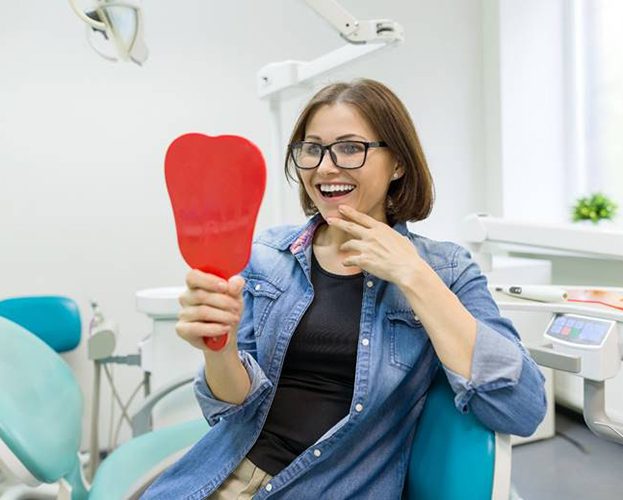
x: 345, y: 154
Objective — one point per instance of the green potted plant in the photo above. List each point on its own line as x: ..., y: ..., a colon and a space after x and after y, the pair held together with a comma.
x: 594, y: 208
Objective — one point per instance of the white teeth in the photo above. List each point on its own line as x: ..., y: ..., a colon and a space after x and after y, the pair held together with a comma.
x: 329, y: 188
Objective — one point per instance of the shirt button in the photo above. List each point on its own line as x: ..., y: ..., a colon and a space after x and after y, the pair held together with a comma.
x: 365, y: 342
x: 359, y: 407
x: 269, y: 487
x: 317, y: 453
x: 370, y: 283
x: 416, y: 317
x: 257, y: 287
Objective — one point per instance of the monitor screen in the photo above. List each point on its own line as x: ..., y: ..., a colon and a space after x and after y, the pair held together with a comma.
x: 578, y: 330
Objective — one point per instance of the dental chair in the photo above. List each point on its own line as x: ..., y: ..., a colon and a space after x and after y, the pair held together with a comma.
x: 54, y: 319
x: 454, y: 456
x: 40, y: 426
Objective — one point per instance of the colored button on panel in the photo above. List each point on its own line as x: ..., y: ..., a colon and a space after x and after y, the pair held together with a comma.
x: 556, y: 326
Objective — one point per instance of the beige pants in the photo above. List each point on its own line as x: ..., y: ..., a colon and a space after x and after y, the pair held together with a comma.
x: 242, y: 483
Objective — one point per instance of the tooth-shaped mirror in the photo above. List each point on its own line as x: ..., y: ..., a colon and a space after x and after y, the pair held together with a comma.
x: 216, y: 185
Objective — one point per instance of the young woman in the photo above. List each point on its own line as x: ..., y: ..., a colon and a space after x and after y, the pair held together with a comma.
x: 337, y: 328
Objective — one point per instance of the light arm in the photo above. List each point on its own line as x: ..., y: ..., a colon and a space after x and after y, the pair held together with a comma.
x: 353, y: 30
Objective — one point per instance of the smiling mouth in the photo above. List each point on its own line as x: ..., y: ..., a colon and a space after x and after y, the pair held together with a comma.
x: 335, y: 190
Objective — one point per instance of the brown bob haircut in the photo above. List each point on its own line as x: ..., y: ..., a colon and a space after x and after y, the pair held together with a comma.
x: 409, y: 198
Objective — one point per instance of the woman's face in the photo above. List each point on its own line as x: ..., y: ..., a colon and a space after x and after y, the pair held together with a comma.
x: 339, y: 122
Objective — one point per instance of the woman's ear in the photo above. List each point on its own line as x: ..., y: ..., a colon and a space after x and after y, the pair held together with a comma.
x: 399, y: 171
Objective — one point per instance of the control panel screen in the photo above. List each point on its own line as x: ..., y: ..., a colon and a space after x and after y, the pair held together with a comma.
x: 578, y: 330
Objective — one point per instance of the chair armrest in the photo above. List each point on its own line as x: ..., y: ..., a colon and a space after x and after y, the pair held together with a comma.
x: 141, y: 421
x: 502, y: 467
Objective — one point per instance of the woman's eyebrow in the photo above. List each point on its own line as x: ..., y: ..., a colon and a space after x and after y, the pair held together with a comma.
x: 348, y: 136
x: 312, y: 137
x: 340, y: 138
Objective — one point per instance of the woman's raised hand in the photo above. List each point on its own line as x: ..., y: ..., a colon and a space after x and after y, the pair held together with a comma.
x: 211, y: 306
x: 377, y: 248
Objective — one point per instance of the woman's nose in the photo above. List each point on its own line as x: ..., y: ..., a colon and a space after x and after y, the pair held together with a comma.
x: 327, y: 165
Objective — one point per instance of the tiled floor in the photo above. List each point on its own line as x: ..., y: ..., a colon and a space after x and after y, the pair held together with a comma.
x: 575, y: 464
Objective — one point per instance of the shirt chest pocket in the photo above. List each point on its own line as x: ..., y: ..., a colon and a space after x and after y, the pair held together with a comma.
x: 264, y: 294
x: 407, y: 338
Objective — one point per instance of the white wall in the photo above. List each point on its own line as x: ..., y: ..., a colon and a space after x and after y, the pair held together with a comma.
x: 83, y: 206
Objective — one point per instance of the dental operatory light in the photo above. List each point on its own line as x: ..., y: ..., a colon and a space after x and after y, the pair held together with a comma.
x: 363, y: 37
x: 115, y: 29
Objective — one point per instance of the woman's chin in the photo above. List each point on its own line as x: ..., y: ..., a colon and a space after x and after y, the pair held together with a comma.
x: 330, y: 212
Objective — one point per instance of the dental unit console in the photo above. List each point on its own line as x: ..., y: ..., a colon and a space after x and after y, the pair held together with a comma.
x: 585, y: 339
x: 592, y: 340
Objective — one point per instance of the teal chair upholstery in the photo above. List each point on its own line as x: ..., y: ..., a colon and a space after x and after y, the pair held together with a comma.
x: 453, y: 455
x: 54, y: 319
x: 40, y: 425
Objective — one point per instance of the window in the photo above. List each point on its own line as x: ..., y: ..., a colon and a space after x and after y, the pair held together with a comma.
x: 597, y: 90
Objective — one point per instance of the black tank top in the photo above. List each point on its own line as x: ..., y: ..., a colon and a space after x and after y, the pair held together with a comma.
x: 315, y: 388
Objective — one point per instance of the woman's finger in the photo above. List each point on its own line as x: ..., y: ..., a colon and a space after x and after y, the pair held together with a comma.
x: 196, y: 330
x: 360, y: 218
x: 198, y: 297
x: 235, y: 286
x: 350, y: 227
x: 353, y: 246
x: 208, y: 314
x: 354, y: 261
x: 205, y: 281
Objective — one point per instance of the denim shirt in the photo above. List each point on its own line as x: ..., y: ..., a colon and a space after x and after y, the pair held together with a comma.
x: 365, y: 455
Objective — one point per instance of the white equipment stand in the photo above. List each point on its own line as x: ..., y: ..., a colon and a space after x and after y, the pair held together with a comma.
x: 578, y: 255
x: 584, y: 339
x: 166, y: 357
x: 483, y: 232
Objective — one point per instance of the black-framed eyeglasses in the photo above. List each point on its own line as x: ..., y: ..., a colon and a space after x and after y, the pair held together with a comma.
x: 345, y: 154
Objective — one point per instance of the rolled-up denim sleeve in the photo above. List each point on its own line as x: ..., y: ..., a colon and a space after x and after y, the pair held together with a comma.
x: 506, y: 388
x: 214, y: 409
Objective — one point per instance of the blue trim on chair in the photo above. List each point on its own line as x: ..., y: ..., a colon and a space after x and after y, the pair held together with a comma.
x: 453, y: 454
x: 54, y: 319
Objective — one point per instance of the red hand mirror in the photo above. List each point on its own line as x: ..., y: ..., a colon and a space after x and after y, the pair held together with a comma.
x: 216, y: 185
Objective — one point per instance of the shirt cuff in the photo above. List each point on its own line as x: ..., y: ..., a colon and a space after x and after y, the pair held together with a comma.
x: 497, y: 362
x: 214, y: 409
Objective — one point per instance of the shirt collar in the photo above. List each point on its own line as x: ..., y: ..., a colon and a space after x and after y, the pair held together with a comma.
x: 302, y: 238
